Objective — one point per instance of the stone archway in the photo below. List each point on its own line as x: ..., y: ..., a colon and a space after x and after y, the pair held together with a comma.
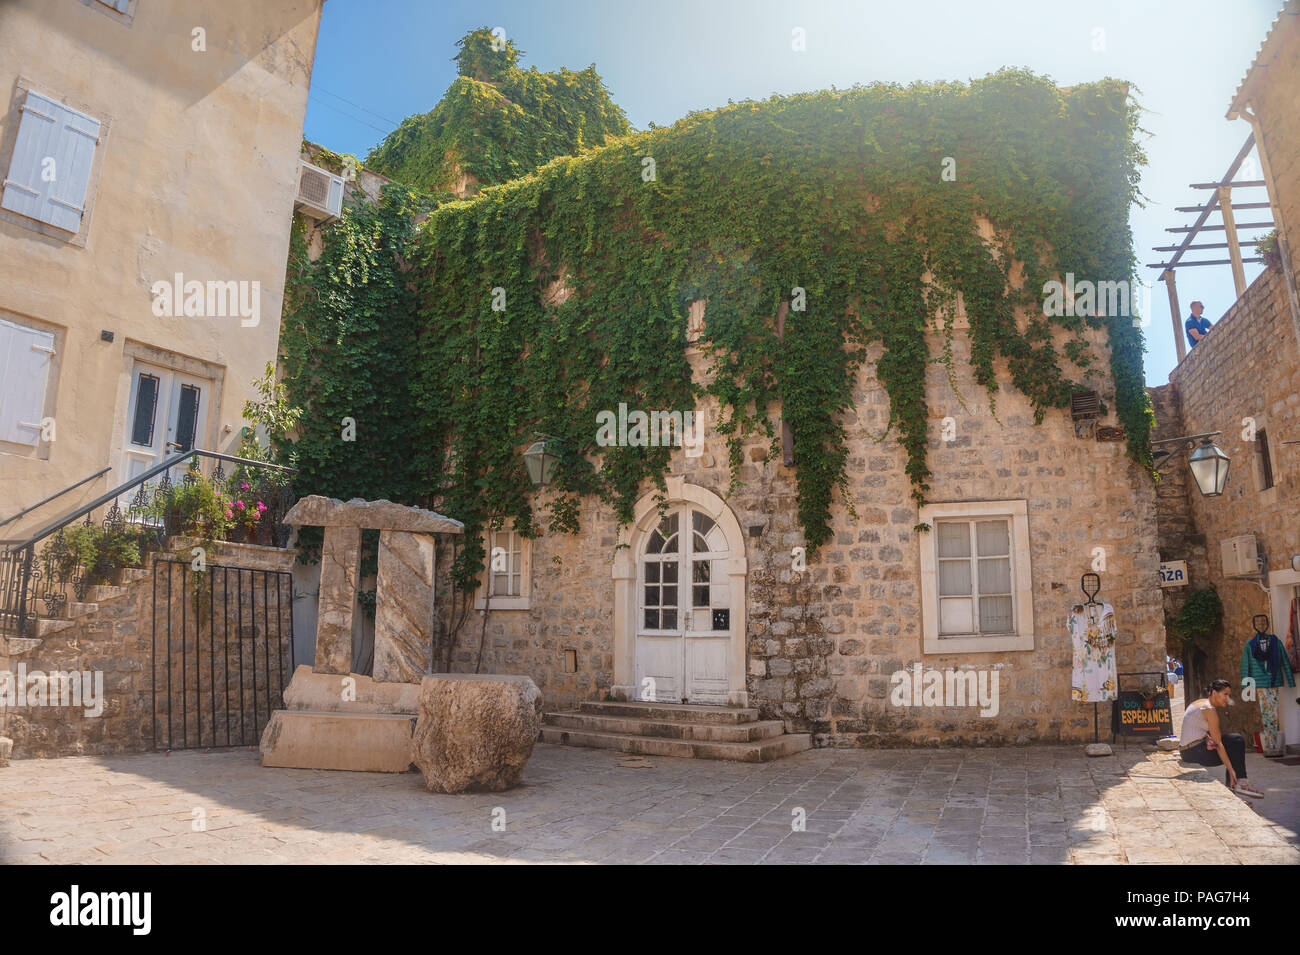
x: 728, y: 566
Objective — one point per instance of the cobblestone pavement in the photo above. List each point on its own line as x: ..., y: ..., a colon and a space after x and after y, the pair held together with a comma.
x: 1008, y: 805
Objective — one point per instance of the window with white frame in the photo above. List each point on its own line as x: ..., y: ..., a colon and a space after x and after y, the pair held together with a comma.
x: 123, y: 11
x: 50, y: 168
x: 506, y: 576
x: 26, y: 355
x: 976, y: 582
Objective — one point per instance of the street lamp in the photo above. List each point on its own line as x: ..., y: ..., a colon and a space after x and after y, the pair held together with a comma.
x: 541, y: 460
x: 1209, y: 468
x: 1207, y: 461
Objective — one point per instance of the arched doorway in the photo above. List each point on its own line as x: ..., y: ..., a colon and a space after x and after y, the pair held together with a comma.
x: 679, y: 601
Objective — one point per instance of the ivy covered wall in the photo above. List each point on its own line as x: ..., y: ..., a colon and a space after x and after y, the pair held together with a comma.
x: 563, y: 292
x: 835, y: 202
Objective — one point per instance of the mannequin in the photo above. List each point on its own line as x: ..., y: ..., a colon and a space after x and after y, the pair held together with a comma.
x: 1264, y: 660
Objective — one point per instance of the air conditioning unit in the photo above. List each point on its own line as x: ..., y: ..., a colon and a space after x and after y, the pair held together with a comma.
x: 1240, y: 556
x: 320, y: 192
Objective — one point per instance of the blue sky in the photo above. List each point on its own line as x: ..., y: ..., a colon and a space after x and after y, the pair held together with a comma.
x: 379, y: 61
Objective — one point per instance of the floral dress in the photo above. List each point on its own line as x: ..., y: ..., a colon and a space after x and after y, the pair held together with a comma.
x: 1092, y: 631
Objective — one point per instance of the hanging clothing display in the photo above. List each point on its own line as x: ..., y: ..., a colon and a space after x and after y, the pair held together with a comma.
x: 1092, y: 631
x: 1269, y: 737
x: 1293, y: 637
x: 1264, y: 662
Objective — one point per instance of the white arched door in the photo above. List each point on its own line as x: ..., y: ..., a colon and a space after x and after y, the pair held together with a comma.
x: 684, y: 614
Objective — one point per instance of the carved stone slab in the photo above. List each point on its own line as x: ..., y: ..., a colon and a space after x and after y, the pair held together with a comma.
x: 403, y: 607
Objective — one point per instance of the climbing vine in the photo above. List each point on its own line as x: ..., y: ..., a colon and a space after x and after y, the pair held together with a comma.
x: 497, y: 122
x: 564, y: 291
x: 832, y: 203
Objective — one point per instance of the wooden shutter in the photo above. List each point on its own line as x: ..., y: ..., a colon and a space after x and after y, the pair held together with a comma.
x: 146, y: 410
x: 25, y: 355
x: 58, y: 139
x: 187, y: 418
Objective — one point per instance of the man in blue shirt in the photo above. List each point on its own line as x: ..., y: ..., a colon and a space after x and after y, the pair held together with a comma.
x: 1196, y: 325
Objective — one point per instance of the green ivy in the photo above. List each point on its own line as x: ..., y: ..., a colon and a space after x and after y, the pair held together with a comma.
x: 1200, y: 615
x: 833, y: 200
x: 497, y: 122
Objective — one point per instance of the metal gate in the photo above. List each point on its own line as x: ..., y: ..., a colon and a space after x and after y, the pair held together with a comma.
x: 222, y: 653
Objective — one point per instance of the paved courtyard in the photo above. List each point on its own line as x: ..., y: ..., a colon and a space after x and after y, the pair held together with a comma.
x: 1008, y: 805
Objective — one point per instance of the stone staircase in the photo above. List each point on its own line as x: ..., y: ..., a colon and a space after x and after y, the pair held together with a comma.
x: 41, y: 627
x: 674, y: 729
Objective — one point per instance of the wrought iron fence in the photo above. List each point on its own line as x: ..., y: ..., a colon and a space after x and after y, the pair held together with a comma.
x: 222, y: 652
x: 56, y: 566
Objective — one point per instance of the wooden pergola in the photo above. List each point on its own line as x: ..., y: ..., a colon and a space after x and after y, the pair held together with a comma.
x: 1221, y: 202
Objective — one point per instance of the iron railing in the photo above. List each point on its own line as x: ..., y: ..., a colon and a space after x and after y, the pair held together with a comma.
x: 41, y: 575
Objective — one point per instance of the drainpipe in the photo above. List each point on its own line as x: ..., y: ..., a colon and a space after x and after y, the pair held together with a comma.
x: 1283, y: 246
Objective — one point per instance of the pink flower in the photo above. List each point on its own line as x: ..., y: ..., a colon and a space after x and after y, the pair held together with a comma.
x: 218, y: 493
x: 253, y: 515
x: 239, y: 504
x: 243, y: 487
x: 261, y: 506
x: 229, y: 514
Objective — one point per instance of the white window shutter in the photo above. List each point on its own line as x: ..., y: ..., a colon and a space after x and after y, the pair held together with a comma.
x: 54, y: 142
x: 25, y: 355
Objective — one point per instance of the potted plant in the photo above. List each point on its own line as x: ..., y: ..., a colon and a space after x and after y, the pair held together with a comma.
x: 246, y: 515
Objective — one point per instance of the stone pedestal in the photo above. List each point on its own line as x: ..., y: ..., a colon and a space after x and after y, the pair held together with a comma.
x: 344, y: 721
x: 404, y: 607
x: 340, y: 569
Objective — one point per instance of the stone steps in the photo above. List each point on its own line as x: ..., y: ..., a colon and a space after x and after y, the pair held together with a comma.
x: 759, y: 751
x: 674, y: 729
x: 668, y: 729
x: 672, y: 711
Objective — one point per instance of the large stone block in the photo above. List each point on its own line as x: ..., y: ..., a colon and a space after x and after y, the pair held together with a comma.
x: 339, y: 574
x: 475, y: 731
x: 361, y: 742
x: 404, y: 607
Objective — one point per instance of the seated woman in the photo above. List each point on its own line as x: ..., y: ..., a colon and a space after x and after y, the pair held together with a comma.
x: 1202, y: 743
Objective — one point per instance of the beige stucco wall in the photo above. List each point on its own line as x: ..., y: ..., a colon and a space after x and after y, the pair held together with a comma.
x: 196, y: 173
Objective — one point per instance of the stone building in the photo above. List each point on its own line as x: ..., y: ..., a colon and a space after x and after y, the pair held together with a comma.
x: 1243, y: 380
x: 702, y: 598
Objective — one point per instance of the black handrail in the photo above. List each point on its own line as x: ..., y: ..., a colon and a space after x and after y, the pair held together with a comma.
x: 118, y: 491
x: 70, y: 487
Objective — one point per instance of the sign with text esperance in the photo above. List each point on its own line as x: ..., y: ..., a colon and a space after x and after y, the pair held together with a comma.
x: 1173, y: 573
x: 1136, y: 715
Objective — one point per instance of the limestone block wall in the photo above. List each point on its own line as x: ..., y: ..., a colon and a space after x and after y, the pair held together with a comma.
x: 118, y: 640
x: 822, y: 645
x: 1180, y: 539
x: 1247, y: 367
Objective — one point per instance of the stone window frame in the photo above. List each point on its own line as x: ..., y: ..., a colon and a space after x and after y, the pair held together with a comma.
x: 1267, y: 495
x: 524, y: 601
x: 22, y: 86
x: 1017, y: 511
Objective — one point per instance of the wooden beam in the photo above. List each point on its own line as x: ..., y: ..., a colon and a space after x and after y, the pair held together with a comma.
x: 1175, y: 313
x: 1167, y: 265
x: 1234, y: 249
x: 1243, y: 184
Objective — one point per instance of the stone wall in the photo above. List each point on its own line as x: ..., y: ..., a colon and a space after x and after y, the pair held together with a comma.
x: 121, y: 641
x: 1247, y: 367
x: 1179, y: 537
x: 822, y: 645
